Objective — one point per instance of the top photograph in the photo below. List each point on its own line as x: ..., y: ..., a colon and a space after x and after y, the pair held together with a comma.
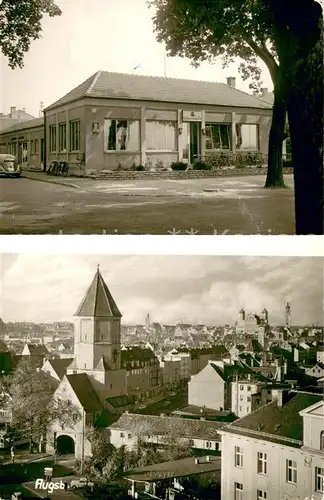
x: 161, y: 117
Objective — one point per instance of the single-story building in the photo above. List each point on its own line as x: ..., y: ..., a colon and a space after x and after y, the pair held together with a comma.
x: 119, y: 121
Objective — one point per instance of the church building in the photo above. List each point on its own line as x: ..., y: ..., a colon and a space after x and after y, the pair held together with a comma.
x: 104, y: 379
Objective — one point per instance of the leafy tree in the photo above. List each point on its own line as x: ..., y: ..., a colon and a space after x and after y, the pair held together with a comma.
x: 288, y: 37
x: 31, y: 402
x: 205, y: 30
x: 20, y: 23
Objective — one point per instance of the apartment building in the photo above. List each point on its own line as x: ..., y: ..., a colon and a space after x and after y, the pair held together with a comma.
x: 276, y: 452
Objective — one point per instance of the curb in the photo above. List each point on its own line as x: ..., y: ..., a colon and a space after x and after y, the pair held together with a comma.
x: 50, y: 181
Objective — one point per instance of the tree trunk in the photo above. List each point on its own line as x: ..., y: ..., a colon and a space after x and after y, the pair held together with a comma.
x: 276, y: 138
x: 299, y: 43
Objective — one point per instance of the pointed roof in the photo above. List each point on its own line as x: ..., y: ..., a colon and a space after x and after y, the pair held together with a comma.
x: 105, y: 84
x: 98, y: 301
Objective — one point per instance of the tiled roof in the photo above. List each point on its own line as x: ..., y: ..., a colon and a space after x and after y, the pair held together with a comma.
x: 98, y: 301
x: 277, y: 421
x: 104, y: 84
x: 37, y: 350
x: 84, y: 391
x: 177, y: 468
x: 60, y: 365
x: 158, y: 426
x: 136, y: 354
x: 36, y: 122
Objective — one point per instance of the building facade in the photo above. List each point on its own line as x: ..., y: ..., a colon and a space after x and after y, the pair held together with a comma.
x: 114, y: 121
x: 277, y: 452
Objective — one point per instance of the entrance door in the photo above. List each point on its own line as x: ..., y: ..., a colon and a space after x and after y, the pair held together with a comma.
x: 195, y: 142
x: 42, y: 151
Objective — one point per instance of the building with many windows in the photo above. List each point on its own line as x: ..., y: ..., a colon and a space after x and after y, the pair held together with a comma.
x: 115, y: 120
x: 276, y: 452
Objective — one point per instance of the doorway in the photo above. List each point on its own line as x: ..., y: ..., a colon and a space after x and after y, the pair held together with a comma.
x: 65, y: 445
x: 195, y: 142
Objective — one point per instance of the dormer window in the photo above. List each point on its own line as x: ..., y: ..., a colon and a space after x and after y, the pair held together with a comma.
x: 322, y: 441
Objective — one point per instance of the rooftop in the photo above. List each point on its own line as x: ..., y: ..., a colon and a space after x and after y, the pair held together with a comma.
x: 98, y: 301
x: 60, y: 365
x: 104, y: 84
x: 35, y: 122
x: 277, y: 422
x: 84, y: 391
x: 162, y: 425
x: 175, y: 468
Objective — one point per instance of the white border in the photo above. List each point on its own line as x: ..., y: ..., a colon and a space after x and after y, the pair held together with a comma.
x: 311, y: 246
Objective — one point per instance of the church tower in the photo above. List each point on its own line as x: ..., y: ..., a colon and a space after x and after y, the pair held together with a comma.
x: 287, y: 315
x: 265, y: 315
x: 97, y: 330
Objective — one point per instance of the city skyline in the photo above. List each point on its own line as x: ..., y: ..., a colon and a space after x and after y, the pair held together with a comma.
x: 172, y: 289
x: 80, y: 50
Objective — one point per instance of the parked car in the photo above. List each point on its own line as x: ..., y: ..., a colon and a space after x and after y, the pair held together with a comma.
x: 9, y: 166
x: 81, y: 482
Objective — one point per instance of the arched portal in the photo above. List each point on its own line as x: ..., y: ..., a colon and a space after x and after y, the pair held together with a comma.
x: 65, y: 445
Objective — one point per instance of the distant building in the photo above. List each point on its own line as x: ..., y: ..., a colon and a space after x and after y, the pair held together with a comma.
x: 14, y: 117
x: 162, y: 430
x: 276, y: 452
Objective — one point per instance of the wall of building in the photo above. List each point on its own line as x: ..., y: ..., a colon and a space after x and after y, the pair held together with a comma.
x: 274, y: 482
x: 207, y: 389
x: 9, y: 143
x: 241, y: 397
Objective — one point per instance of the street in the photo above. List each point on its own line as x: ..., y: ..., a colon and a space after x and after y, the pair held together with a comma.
x: 231, y: 205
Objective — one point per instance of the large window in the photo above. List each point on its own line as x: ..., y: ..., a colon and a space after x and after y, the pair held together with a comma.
x: 291, y: 471
x: 238, y: 456
x: 246, y: 136
x: 75, y: 135
x: 161, y: 135
x: 238, y: 491
x: 52, y: 138
x: 62, y: 137
x: 218, y: 137
x: 262, y: 463
x: 319, y: 479
x: 34, y: 146
x: 122, y: 135
x: 322, y: 440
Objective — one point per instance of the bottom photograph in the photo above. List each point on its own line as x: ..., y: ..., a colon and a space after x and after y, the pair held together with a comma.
x: 170, y: 377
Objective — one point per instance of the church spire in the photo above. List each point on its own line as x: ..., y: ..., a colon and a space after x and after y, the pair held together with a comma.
x: 98, y: 301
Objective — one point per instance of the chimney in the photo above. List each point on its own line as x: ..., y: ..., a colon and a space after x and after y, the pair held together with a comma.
x: 12, y: 110
x: 231, y: 81
x: 24, y: 110
x: 282, y: 396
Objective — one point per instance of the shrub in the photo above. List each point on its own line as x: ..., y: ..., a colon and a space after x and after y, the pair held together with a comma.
x: 220, y: 160
x: 200, y: 165
x: 140, y: 168
x: 159, y: 165
x: 178, y: 165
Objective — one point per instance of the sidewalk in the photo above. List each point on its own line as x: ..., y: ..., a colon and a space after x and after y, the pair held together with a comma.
x: 74, y: 182
x: 21, y: 458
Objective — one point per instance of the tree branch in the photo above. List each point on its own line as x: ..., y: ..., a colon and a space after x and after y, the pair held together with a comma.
x: 265, y: 55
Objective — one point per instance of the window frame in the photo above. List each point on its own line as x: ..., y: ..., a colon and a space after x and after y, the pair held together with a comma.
x: 238, y: 457
x: 210, y: 138
x: 75, y: 136
x: 52, y: 138
x: 262, y: 463
x: 238, y: 492
x: 257, y: 128
x: 293, y: 469
x: 164, y: 150
x: 261, y: 495
x: 62, y: 137
x: 106, y: 135
x: 319, y: 479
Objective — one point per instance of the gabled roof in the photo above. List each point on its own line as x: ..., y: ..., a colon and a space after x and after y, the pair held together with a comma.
x: 98, y: 301
x: 278, y: 422
x: 159, y: 426
x: 60, y: 365
x: 84, y: 391
x: 37, y: 350
x: 35, y: 122
x: 104, y: 84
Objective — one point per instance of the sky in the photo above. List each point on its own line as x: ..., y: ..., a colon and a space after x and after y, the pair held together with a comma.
x: 93, y: 35
x: 172, y: 289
